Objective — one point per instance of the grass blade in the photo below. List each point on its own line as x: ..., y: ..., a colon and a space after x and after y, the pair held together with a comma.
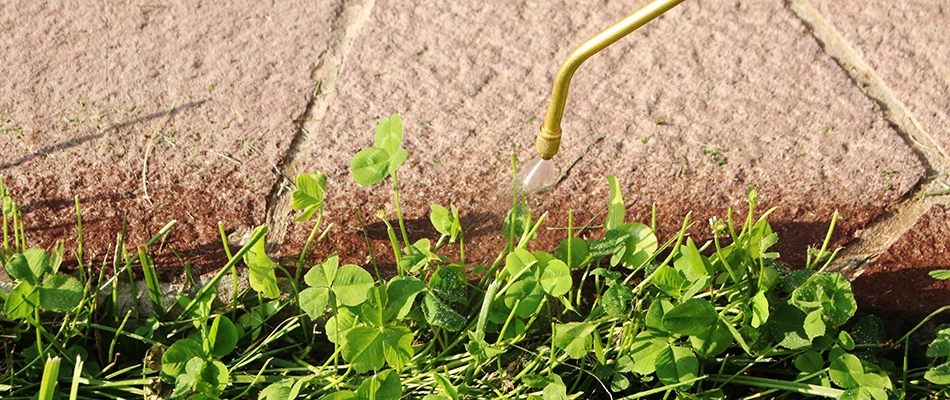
x: 77, y: 371
x: 162, y: 232
x: 48, y: 383
x: 79, y: 252
x: 661, y: 389
x: 796, y: 387
x: 151, y: 281
x: 259, y: 235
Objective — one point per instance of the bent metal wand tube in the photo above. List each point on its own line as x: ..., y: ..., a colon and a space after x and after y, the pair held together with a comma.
x: 549, y: 137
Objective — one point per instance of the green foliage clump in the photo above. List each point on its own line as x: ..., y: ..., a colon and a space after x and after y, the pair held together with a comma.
x: 623, y: 314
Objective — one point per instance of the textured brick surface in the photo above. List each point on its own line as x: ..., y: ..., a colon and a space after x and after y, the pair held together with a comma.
x: 907, y: 44
x: 84, y: 94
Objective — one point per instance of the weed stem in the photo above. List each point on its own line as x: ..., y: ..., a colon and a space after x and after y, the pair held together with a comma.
x: 402, y: 224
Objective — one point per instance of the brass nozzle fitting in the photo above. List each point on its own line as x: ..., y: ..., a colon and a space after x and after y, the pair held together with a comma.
x: 548, y: 143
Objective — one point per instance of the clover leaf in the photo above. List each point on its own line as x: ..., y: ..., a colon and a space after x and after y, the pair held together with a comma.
x: 309, y: 194
x: 261, y: 269
x: 371, y: 165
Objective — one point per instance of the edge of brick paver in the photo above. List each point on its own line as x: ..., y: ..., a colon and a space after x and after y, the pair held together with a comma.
x: 346, y: 27
x: 900, y: 216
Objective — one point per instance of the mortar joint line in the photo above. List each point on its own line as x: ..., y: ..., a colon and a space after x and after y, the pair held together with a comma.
x: 350, y: 17
x: 901, y: 215
x: 873, y: 86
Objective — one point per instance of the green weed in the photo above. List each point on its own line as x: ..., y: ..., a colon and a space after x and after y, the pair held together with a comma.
x: 623, y: 314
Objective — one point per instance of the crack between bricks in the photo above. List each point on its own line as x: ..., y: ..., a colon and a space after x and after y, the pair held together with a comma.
x: 879, y: 235
x: 900, y: 216
x: 931, y: 155
x: 348, y: 22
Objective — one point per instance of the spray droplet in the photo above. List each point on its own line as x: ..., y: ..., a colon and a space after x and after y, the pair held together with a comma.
x: 538, y: 175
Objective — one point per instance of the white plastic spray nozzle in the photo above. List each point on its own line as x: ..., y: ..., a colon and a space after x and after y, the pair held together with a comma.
x: 537, y: 175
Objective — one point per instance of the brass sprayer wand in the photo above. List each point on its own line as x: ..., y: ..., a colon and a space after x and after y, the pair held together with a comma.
x: 549, y: 138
